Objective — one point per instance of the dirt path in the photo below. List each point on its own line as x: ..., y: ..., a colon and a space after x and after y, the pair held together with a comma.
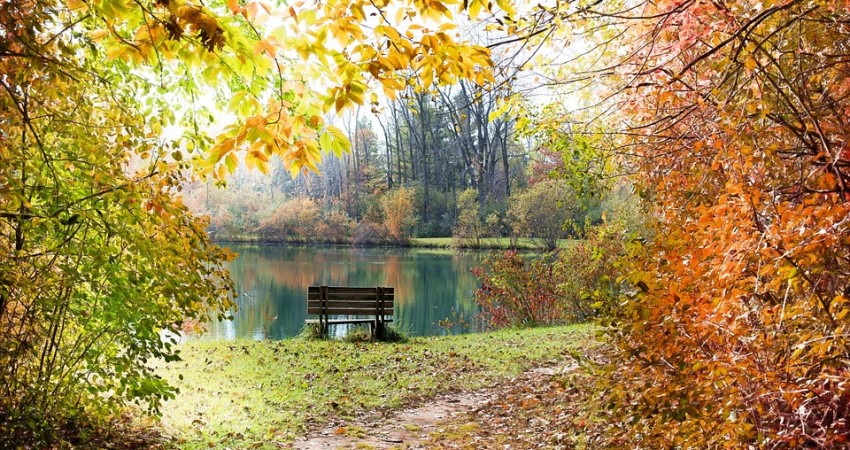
x: 413, y: 428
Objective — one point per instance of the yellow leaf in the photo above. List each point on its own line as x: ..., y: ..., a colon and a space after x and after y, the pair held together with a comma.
x: 260, y: 156
x: 97, y: 34
x: 507, y: 7
x: 474, y: 9
x: 231, y: 162
x: 263, y: 166
x: 294, y: 169
x: 752, y: 107
x: 236, y: 101
x: 326, y: 142
x: 76, y: 4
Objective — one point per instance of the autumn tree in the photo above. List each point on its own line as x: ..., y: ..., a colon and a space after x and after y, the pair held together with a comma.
x: 399, y: 213
x: 733, y: 118
x: 99, y: 260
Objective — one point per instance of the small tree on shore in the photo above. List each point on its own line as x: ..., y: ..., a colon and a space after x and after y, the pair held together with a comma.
x: 468, y: 229
x: 399, y: 214
x: 543, y: 212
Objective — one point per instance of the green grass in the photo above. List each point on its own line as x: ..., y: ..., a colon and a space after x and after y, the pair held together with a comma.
x: 486, y: 243
x: 261, y: 394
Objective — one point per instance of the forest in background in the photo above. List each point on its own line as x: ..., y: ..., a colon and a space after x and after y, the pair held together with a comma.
x: 436, y: 164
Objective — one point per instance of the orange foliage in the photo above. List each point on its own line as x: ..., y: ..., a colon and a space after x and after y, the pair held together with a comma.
x: 400, y: 213
x: 739, y: 335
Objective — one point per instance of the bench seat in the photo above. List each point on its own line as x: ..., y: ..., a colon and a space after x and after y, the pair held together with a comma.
x: 327, y: 301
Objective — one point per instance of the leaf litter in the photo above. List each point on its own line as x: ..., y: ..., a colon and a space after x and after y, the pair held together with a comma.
x: 464, y: 419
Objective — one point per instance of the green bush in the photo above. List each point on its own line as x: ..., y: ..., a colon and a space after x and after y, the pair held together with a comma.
x: 468, y: 229
x: 545, y: 211
x: 95, y: 286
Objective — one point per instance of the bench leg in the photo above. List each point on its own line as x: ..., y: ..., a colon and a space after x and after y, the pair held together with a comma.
x: 323, y: 327
x: 380, y: 332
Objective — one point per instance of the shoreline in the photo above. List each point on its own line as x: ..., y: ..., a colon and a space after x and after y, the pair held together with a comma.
x: 443, y: 243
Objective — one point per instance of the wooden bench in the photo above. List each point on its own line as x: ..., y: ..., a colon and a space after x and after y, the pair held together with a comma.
x: 326, y: 301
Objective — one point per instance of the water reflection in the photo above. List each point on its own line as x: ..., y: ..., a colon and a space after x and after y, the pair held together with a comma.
x: 272, y: 281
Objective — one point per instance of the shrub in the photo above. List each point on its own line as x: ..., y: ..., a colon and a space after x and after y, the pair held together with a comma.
x: 517, y: 292
x: 543, y: 212
x: 312, y: 332
x: 387, y: 333
x: 588, y: 272
x: 295, y: 220
x: 368, y: 233
x: 390, y: 333
x: 88, y: 299
x: 573, y: 285
x: 335, y: 227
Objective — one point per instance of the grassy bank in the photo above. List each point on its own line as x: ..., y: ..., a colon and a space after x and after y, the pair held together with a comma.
x: 485, y: 243
x: 249, y: 394
x: 432, y: 242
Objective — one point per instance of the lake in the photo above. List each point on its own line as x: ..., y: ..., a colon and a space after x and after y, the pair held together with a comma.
x: 430, y: 286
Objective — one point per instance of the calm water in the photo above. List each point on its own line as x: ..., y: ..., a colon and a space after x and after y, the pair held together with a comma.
x: 272, y: 281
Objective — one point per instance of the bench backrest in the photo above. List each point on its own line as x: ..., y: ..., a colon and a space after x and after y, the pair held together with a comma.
x: 342, y: 300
